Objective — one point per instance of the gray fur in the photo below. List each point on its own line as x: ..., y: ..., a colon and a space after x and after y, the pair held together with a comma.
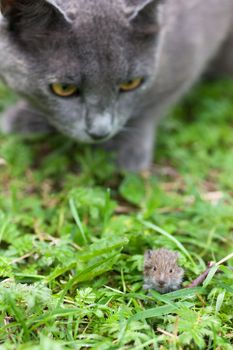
x: 97, y: 45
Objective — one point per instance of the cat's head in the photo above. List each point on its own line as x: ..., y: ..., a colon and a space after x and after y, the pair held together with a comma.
x: 89, y: 63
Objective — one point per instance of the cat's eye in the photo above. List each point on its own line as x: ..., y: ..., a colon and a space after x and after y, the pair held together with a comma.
x: 64, y: 90
x: 131, y: 85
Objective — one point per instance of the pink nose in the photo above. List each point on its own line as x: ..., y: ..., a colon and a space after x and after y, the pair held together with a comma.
x: 161, y: 283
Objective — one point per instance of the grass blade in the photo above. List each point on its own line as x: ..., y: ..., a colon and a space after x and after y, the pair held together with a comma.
x: 210, y: 276
x: 168, y: 235
x: 154, y: 312
x: 77, y: 219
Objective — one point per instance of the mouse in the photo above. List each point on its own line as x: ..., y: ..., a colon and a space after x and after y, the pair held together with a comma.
x: 161, y: 271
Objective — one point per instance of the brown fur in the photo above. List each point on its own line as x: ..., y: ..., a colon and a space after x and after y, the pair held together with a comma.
x: 161, y: 271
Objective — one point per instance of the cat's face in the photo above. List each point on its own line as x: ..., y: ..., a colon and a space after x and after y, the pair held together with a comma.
x: 91, y: 67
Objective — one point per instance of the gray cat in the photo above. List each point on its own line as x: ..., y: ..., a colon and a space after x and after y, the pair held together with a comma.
x: 108, y: 69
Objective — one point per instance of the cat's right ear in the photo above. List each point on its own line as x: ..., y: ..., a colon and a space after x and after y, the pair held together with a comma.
x: 35, y: 16
x: 4, y: 6
x: 15, y: 7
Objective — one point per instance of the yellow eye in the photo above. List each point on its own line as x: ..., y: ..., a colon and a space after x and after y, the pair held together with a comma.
x: 131, y: 85
x: 64, y: 90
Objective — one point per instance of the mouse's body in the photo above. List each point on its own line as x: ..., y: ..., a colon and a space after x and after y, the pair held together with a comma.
x: 161, y: 271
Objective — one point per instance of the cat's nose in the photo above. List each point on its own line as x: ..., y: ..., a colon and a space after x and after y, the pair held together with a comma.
x: 99, y: 126
x: 98, y: 136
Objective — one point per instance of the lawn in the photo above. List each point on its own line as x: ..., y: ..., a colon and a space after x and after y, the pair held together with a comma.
x: 73, y: 232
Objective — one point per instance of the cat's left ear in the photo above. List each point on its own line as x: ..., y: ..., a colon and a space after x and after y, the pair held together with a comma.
x: 143, y: 13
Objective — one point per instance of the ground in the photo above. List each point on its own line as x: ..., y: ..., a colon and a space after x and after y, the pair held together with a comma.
x: 73, y: 232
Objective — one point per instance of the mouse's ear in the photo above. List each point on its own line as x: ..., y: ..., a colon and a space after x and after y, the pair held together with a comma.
x: 147, y: 259
x: 180, y: 271
x: 176, y: 255
x: 148, y: 254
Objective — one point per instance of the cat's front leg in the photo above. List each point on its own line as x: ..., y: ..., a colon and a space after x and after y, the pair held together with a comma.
x: 135, y: 145
x: 23, y: 119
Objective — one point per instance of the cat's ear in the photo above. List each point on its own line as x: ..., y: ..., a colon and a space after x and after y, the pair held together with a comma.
x: 23, y: 14
x: 143, y: 13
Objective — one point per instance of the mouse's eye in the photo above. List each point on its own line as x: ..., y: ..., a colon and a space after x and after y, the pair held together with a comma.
x: 154, y: 268
x: 131, y: 85
x: 64, y: 90
x: 171, y: 271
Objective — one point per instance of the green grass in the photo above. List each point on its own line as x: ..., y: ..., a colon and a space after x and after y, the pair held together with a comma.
x: 73, y: 233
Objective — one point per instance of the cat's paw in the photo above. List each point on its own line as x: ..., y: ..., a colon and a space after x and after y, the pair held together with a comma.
x: 138, y: 162
x: 23, y: 119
